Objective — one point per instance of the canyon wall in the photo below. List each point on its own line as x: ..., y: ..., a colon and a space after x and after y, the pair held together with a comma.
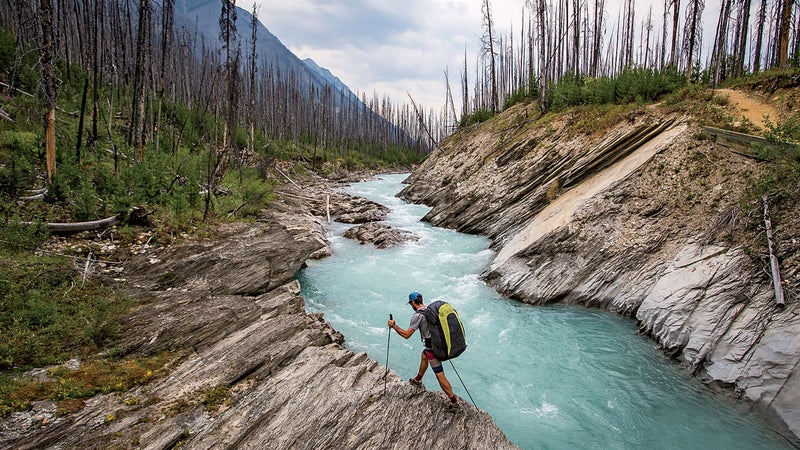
x: 634, y: 217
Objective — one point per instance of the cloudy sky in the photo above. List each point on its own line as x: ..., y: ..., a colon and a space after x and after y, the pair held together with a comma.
x: 394, y: 47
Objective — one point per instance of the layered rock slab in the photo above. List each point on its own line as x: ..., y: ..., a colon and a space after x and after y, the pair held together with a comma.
x: 231, y: 316
x: 634, y: 234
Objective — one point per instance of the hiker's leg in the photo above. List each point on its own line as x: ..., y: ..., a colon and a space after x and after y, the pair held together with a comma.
x: 436, y: 366
x: 445, y: 384
x: 423, y: 366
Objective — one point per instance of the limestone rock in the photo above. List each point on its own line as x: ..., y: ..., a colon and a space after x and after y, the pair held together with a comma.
x: 379, y: 234
x: 231, y: 316
x: 356, y: 210
x: 623, y: 220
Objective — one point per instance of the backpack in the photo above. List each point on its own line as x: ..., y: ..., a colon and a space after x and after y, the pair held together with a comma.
x: 447, y: 332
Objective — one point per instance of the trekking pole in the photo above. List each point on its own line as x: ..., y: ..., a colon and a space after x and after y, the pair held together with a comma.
x: 387, y: 357
x: 462, y: 383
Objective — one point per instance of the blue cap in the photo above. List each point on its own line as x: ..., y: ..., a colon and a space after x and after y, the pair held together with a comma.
x: 414, y: 296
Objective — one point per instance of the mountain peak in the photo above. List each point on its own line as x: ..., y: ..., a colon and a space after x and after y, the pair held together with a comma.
x: 327, y: 75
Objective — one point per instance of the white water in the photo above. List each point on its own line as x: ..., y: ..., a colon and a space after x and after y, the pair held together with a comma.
x: 554, y: 377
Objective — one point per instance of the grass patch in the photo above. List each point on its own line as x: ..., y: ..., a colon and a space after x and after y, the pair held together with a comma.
x: 70, y: 387
x: 49, y: 313
x: 590, y: 119
x: 216, y: 397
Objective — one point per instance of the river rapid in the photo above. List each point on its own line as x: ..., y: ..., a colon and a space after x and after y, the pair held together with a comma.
x: 555, y: 377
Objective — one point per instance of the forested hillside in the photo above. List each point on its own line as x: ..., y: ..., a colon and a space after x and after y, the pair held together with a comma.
x: 169, y: 118
x: 126, y: 113
x: 132, y: 89
x: 574, y: 52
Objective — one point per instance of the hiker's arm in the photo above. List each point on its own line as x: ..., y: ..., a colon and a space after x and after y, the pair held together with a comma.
x: 404, y: 333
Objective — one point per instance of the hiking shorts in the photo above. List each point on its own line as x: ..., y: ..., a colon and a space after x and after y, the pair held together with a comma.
x: 435, y: 364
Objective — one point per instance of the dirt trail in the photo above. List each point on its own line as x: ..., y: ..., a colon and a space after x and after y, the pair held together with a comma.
x: 750, y: 106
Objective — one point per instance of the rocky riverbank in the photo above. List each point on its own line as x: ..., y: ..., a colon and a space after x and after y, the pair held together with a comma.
x: 634, y: 218
x: 229, y: 313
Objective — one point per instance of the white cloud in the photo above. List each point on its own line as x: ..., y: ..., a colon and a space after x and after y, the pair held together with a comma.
x: 394, y: 47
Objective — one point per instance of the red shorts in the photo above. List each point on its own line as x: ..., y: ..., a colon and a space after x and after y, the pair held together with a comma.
x: 435, y: 364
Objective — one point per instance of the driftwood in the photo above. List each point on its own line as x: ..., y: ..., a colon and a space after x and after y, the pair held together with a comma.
x: 773, y: 260
x: 287, y: 177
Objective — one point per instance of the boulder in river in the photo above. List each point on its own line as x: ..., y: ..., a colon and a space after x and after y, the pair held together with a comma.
x: 380, y: 234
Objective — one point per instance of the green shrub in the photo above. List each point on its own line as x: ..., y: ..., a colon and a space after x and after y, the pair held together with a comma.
x: 85, y: 202
x: 48, y: 312
x: 16, y: 236
x: 216, y: 396
x: 785, y: 137
x: 520, y: 95
x: 91, y: 378
x: 633, y: 85
x: 19, y: 150
x: 566, y: 93
x: 479, y: 116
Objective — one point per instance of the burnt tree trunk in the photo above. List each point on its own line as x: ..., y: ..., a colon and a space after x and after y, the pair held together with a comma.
x: 49, y: 84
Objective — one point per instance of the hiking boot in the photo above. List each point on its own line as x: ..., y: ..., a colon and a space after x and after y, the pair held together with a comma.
x: 416, y: 383
x: 453, y: 407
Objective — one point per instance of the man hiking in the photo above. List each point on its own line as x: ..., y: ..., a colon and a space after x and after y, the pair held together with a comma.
x: 418, y: 322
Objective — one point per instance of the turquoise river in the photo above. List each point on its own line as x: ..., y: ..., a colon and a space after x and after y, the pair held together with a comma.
x: 552, y: 377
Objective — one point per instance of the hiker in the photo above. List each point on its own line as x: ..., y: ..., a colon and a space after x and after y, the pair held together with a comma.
x: 418, y: 322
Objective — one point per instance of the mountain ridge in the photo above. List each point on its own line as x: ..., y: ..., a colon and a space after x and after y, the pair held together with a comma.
x: 203, y: 17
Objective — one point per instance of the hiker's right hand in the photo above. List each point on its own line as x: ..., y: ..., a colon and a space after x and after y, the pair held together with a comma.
x: 390, y: 323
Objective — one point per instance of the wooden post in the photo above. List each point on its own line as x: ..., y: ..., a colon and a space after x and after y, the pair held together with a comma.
x: 328, y: 207
x: 773, y: 260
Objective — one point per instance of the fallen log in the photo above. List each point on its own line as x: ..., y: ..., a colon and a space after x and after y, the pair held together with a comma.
x: 76, y: 227
x: 33, y: 194
x: 31, y: 198
x: 773, y: 260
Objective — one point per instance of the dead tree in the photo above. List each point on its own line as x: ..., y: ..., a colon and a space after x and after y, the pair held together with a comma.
x: 136, y: 137
x: 488, y: 42
x: 692, y: 34
x: 253, y: 69
x: 541, y: 15
x: 663, y: 57
x: 227, y: 26
x: 720, y: 43
x: 647, y: 26
x: 576, y: 38
x: 626, y: 50
x: 673, y: 56
x: 167, y: 13
x: 773, y: 260
x: 782, y: 43
x: 465, y: 88
x: 449, y: 107
x: 741, y: 43
x: 48, y: 84
x: 597, y: 36
x: 421, y: 121
x: 761, y: 19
